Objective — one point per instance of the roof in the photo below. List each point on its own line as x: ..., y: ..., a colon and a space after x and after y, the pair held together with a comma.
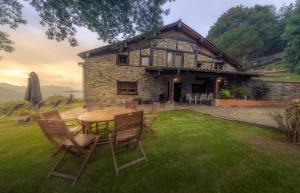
x: 179, y: 25
x: 176, y: 70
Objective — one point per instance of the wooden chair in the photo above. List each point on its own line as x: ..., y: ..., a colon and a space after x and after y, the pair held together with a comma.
x: 54, y: 115
x: 131, y: 105
x: 127, y: 134
x: 59, y: 135
x: 150, y: 118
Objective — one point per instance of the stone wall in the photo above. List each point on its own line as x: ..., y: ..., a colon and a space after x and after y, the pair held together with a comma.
x: 101, y: 73
x: 274, y: 90
x: 101, y: 76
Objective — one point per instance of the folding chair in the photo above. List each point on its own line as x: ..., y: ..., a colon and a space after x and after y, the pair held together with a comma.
x: 150, y: 118
x: 128, y: 130
x: 131, y: 105
x: 59, y: 135
x: 54, y: 115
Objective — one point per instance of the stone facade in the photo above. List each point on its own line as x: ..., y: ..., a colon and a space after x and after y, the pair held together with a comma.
x: 274, y: 90
x: 100, y: 81
x: 101, y: 73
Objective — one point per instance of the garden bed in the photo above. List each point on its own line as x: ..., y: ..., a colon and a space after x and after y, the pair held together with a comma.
x: 248, y: 103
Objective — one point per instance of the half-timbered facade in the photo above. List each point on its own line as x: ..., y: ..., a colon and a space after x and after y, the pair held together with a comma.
x: 174, y: 62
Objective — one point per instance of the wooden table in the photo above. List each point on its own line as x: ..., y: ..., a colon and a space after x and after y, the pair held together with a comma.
x: 104, y: 115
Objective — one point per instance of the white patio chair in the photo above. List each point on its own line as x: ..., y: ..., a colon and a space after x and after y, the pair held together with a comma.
x: 197, y: 98
x: 203, y: 98
x: 210, y: 98
x: 189, y: 98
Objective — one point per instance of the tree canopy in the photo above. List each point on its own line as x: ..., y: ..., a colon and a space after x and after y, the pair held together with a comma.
x: 111, y: 20
x: 249, y: 32
x: 292, y: 36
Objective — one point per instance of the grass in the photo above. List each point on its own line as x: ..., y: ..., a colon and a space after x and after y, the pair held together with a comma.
x: 291, y: 77
x: 194, y: 153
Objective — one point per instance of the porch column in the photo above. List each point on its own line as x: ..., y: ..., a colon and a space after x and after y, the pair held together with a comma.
x: 216, y: 87
x: 171, y: 90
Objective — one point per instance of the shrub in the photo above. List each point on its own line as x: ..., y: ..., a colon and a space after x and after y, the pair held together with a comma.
x: 5, y: 107
x: 289, y: 121
x: 21, y: 112
x: 225, y: 94
x: 240, y: 92
x: 53, y: 99
x: 139, y: 100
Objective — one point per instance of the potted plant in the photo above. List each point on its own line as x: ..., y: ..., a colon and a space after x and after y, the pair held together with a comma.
x: 225, y: 94
x: 22, y: 115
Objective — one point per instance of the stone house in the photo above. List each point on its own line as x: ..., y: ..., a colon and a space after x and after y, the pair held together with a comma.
x: 167, y: 66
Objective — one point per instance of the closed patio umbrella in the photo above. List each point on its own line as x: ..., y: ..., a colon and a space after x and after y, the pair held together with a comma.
x: 33, y: 92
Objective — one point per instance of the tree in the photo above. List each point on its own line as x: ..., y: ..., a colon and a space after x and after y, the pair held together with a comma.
x: 11, y: 15
x: 292, y: 36
x: 111, y: 20
x: 242, y: 42
x: 260, y: 20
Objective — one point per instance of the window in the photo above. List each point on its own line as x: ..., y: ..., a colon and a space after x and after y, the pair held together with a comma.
x: 122, y: 59
x: 127, y: 88
x: 145, y: 60
x: 178, y: 60
x: 170, y: 59
x: 174, y: 59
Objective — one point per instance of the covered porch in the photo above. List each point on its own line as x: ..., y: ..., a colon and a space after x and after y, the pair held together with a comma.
x: 183, y: 82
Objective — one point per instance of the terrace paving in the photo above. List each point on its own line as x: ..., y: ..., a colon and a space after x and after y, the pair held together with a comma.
x: 254, y: 115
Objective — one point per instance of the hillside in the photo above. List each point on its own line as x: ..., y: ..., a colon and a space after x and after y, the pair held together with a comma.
x: 12, y: 92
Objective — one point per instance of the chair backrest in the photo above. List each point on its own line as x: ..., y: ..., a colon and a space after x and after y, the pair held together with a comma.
x: 155, y: 108
x: 203, y: 96
x: 57, y: 132
x: 189, y: 96
x: 131, y: 105
x: 129, y: 122
x: 94, y: 106
x: 51, y: 115
x: 210, y: 96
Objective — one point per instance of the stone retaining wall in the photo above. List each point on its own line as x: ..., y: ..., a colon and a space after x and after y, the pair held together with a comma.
x: 274, y: 90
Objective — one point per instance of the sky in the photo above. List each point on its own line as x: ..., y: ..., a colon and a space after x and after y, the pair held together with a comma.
x: 56, y: 63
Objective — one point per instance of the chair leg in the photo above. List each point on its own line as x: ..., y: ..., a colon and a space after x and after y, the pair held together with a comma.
x: 142, y: 150
x: 86, y: 159
x: 57, y: 164
x: 113, y: 155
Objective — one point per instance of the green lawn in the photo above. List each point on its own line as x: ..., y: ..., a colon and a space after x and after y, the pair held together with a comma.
x: 194, y: 153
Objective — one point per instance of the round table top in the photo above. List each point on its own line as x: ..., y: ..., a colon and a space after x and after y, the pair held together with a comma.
x: 105, y: 114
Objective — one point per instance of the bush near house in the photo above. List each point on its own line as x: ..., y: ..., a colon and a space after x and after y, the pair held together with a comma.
x: 289, y: 121
x: 238, y: 93
x: 226, y: 94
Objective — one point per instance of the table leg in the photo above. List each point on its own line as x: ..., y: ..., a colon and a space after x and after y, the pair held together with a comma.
x: 86, y: 128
